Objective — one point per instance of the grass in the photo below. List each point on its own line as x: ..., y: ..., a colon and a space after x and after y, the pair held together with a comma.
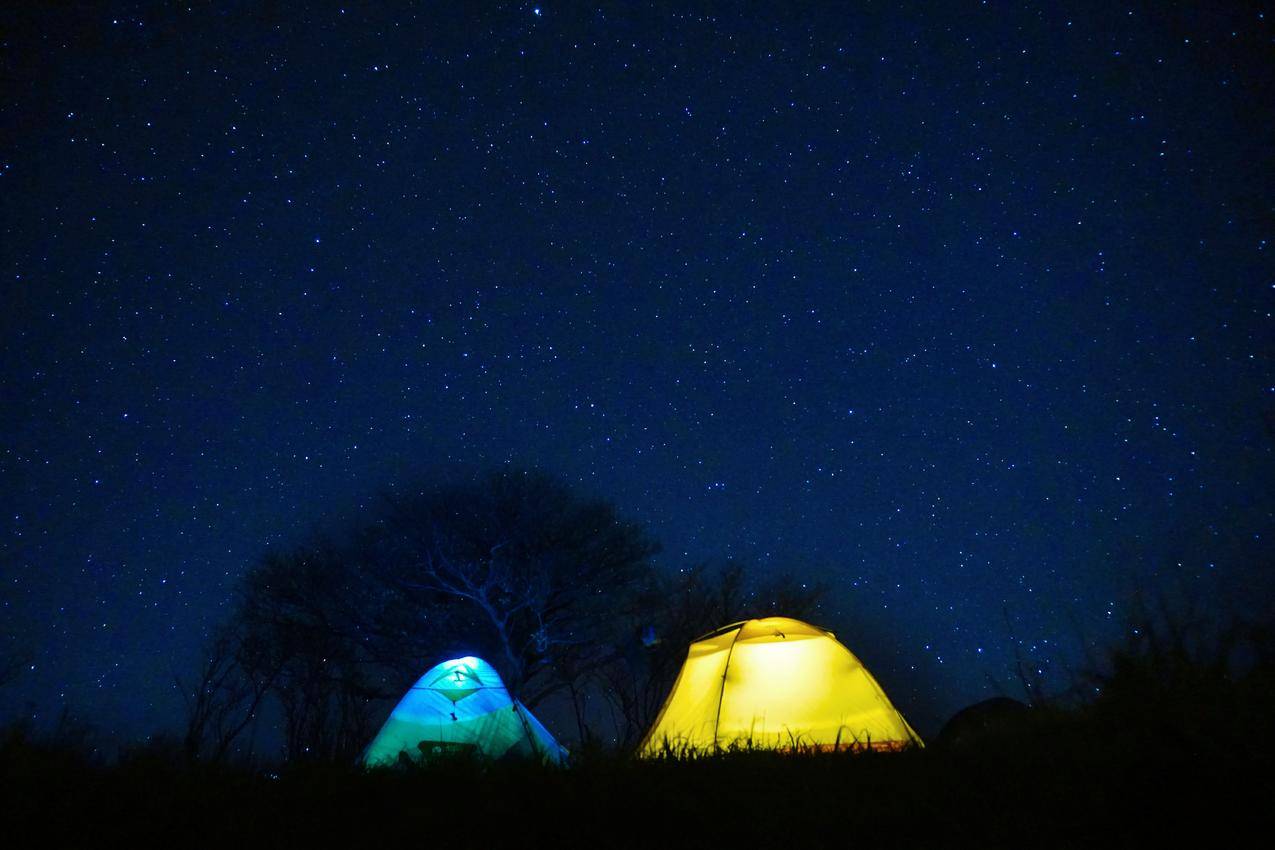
x: 1059, y: 782
x: 1169, y: 746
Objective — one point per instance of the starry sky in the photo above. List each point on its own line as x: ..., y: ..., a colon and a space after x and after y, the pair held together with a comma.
x: 963, y: 309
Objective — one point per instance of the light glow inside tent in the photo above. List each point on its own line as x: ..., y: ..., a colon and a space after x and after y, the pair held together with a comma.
x: 775, y: 683
x: 461, y: 705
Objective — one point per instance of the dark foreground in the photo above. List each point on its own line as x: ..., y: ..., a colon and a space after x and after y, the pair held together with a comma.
x: 1079, y: 779
x: 1170, y: 748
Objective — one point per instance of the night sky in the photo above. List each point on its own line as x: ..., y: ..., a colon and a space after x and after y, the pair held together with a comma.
x: 962, y: 309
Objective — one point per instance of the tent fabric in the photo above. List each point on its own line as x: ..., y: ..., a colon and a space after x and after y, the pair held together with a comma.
x: 458, y: 705
x: 774, y: 683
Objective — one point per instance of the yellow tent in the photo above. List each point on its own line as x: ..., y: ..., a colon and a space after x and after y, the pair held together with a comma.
x: 775, y: 683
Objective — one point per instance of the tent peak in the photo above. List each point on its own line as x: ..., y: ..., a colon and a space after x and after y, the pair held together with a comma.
x: 758, y: 625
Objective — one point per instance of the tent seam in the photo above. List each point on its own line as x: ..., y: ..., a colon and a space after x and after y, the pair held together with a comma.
x: 721, y: 695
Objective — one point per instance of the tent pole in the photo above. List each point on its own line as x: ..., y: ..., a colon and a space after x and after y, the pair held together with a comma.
x: 526, y: 727
x: 717, y: 721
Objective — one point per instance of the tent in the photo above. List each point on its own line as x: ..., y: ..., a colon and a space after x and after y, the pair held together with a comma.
x: 461, y: 705
x: 774, y: 683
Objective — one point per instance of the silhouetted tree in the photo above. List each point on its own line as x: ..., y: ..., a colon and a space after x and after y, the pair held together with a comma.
x: 536, y: 570
x: 224, y: 701
x: 305, y: 616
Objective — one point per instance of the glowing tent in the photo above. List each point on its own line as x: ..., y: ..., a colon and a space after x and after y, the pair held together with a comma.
x: 775, y: 683
x: 461, y: 705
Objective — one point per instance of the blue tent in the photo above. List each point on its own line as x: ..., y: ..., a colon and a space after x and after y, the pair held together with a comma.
x: 461, y: 705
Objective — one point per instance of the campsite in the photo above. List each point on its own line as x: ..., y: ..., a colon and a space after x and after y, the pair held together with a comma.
x: 501, y: 424
x: 500, y: 657
x: 1176, y: 731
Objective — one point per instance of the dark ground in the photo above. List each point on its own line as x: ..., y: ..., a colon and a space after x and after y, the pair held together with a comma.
x: 1194, y: 765
x: 1162, y: 744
